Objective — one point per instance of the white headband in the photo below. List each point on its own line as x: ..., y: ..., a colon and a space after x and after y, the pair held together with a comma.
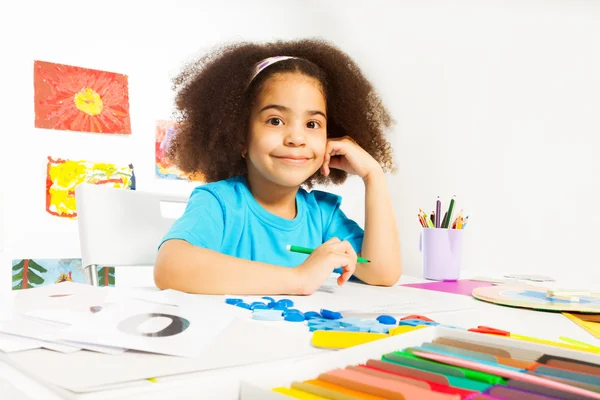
x: 259, y: 66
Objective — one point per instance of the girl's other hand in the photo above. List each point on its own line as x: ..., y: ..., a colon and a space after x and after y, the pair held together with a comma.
x: 324, y: 259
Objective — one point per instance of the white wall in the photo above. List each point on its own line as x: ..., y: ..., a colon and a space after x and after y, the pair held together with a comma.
x: 496, y: 102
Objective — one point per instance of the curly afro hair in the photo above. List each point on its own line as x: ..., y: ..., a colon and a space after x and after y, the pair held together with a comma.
x: 214, y: 97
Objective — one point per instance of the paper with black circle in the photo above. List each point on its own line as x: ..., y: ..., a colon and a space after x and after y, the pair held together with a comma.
x: 183, y: 331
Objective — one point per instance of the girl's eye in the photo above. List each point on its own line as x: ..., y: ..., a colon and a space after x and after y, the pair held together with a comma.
x: 275, y: 121
x: 313, y: 124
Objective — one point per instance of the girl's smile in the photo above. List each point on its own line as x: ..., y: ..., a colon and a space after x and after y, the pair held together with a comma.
x: 293, y: 159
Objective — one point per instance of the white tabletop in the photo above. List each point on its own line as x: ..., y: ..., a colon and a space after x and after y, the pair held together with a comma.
x: 224, y: 384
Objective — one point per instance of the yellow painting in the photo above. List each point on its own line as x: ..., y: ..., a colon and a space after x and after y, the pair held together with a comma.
x: 64, y: 175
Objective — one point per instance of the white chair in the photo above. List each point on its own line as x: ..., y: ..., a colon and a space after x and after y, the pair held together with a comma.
x: 119, y: 227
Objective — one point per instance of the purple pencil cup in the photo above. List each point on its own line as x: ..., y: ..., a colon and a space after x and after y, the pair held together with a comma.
x: 441, y: 251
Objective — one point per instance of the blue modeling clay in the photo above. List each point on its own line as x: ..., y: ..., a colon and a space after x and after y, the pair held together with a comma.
x: 277, y: 306
x: 327, y: 322
x: 268, y: 298
x: 319, y: 328
x: 311, y: 315
x: 259, y: 307
x: 233, y: 301
x: 328, y: 325
x: 386, y: 320
x: 243, y: 305
x: 330, y: 314
x: 409, y: 322
x: 316, y: 321
x: 294, y: 317
x: 416, y: 322
x: 286, y: 302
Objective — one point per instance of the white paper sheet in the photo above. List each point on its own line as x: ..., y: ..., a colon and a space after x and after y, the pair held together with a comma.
x: 7, y: 306
x: 116, y: 295
x: 59, y: 296
x: 65, y: 317
x: 12, y: 343
x: 242, y: 343
x: 33, y: 329
x: 11, y: 392
x: 156, y: 328
x: 45, y: 332
x: 406, y: 301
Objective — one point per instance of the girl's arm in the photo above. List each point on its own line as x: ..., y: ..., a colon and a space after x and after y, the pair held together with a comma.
x: 188, y: 268
x: 182, y: 266
x: 381, y: 243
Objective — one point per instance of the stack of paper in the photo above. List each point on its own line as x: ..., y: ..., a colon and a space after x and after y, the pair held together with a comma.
x: 104, y: 338
x: 68, y: 317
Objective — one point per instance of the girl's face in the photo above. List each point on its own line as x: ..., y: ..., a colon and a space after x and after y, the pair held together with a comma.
x: 288, y: 130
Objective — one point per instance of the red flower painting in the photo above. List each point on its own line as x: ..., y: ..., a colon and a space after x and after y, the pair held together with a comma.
x: 80, y: 99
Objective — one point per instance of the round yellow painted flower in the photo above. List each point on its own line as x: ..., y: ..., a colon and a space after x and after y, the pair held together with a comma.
x: 88, y: 101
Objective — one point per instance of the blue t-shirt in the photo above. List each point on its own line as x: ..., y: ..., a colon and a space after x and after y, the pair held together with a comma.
x: 224, y: 216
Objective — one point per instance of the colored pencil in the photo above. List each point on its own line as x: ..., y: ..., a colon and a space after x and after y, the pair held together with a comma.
x: 457, y: 220
x: 435, y: 220
x: 428, y: 223
x: 438, y: 212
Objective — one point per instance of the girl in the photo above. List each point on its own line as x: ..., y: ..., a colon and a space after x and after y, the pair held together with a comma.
x: 259, y: 122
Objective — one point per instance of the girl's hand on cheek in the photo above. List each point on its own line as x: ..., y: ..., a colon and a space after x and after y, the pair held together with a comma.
x: 346, y: 155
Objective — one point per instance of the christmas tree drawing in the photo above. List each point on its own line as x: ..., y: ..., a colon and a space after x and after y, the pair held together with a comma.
x: 26, y: 274
x: 106, y: 276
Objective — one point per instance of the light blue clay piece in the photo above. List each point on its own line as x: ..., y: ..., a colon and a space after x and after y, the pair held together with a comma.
x: 267, y: 315
x: 349, y: 321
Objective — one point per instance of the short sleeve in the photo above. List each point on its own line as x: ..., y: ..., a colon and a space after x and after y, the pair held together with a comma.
x: 336, y: 223
x: 202, y: 223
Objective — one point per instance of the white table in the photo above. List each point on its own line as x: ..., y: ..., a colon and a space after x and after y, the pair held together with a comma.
x: 224, y: 384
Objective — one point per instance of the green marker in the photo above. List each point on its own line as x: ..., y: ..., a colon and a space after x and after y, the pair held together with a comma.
x: 305, y: 250
x: 450, y: 207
